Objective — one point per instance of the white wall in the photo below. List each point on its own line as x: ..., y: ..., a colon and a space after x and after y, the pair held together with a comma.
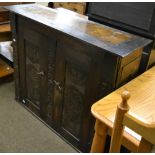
x: 43, y: 3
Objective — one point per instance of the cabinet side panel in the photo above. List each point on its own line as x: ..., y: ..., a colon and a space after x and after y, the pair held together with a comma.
x: 14, y: 31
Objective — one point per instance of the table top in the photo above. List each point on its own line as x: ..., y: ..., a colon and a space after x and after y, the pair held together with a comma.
x: 141, y: 102
x: 110, y: 39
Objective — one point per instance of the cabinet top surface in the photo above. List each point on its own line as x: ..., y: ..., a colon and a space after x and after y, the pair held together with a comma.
x: 110, y: 39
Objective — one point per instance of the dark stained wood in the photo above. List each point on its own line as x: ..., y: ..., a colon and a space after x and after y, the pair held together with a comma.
x: 4, y: 15
x: 33, y: 57
x: 63, y: 66
x: 5, y: 35
x: 5, y: 32
x: 12, y: 3
x: 82, y: 29
x: 136, y: 18
x: 131, y: 16
x: 15, y: 54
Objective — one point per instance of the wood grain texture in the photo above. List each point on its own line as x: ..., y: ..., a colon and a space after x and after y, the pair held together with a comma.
x: 74, y: 6
x: 4, y: 15
x: 143, y: 128
x: 141, y: 103
x: 152, y: 58
x: 144, y: 146
x: 82, y: 29
x: 5, y: 69
x: 118, y: 128
x: 5, y: 32
x: 99, y: 139
x: 11, y: 3
x: 5, y: 28
x: 137, y: 18
x: 73, y: 69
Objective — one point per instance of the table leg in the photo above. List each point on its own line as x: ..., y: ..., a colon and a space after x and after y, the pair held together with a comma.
x: 99, y: 139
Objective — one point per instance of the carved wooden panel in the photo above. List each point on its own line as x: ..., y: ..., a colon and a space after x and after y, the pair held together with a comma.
x: 32, y: 70
x: 75, y: 81
x: 37, y: 59
x: 72, y: 103
x: 50, y: 77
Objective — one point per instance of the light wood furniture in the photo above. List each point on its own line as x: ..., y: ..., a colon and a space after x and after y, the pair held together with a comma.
x: 5, y: 69
x: 4, y: 15
x: 5, y: 28
x: 118, y: 128
x: 74, y: 6
x: 122, y: 119
x: 5, y: 32
x: 5, y: 35
x: 142, y: 105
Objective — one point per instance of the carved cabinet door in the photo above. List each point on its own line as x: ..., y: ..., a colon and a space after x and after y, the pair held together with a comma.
x: 35, y: 58
x: 75, y: 83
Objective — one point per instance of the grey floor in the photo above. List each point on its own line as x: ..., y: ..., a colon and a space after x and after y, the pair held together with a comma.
x: 20, y: 131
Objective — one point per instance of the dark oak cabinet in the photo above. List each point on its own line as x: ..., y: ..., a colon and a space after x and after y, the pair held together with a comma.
x: 63, y: 67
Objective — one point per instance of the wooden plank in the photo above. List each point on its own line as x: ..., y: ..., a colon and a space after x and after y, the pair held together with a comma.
x: 77, y: 7
x: 5, y: 28
x: 152, y: 58
x: 5, y: 69
x: 5, y: 32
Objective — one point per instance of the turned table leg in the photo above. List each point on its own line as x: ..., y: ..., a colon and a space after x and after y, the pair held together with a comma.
x: 99, y: 137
